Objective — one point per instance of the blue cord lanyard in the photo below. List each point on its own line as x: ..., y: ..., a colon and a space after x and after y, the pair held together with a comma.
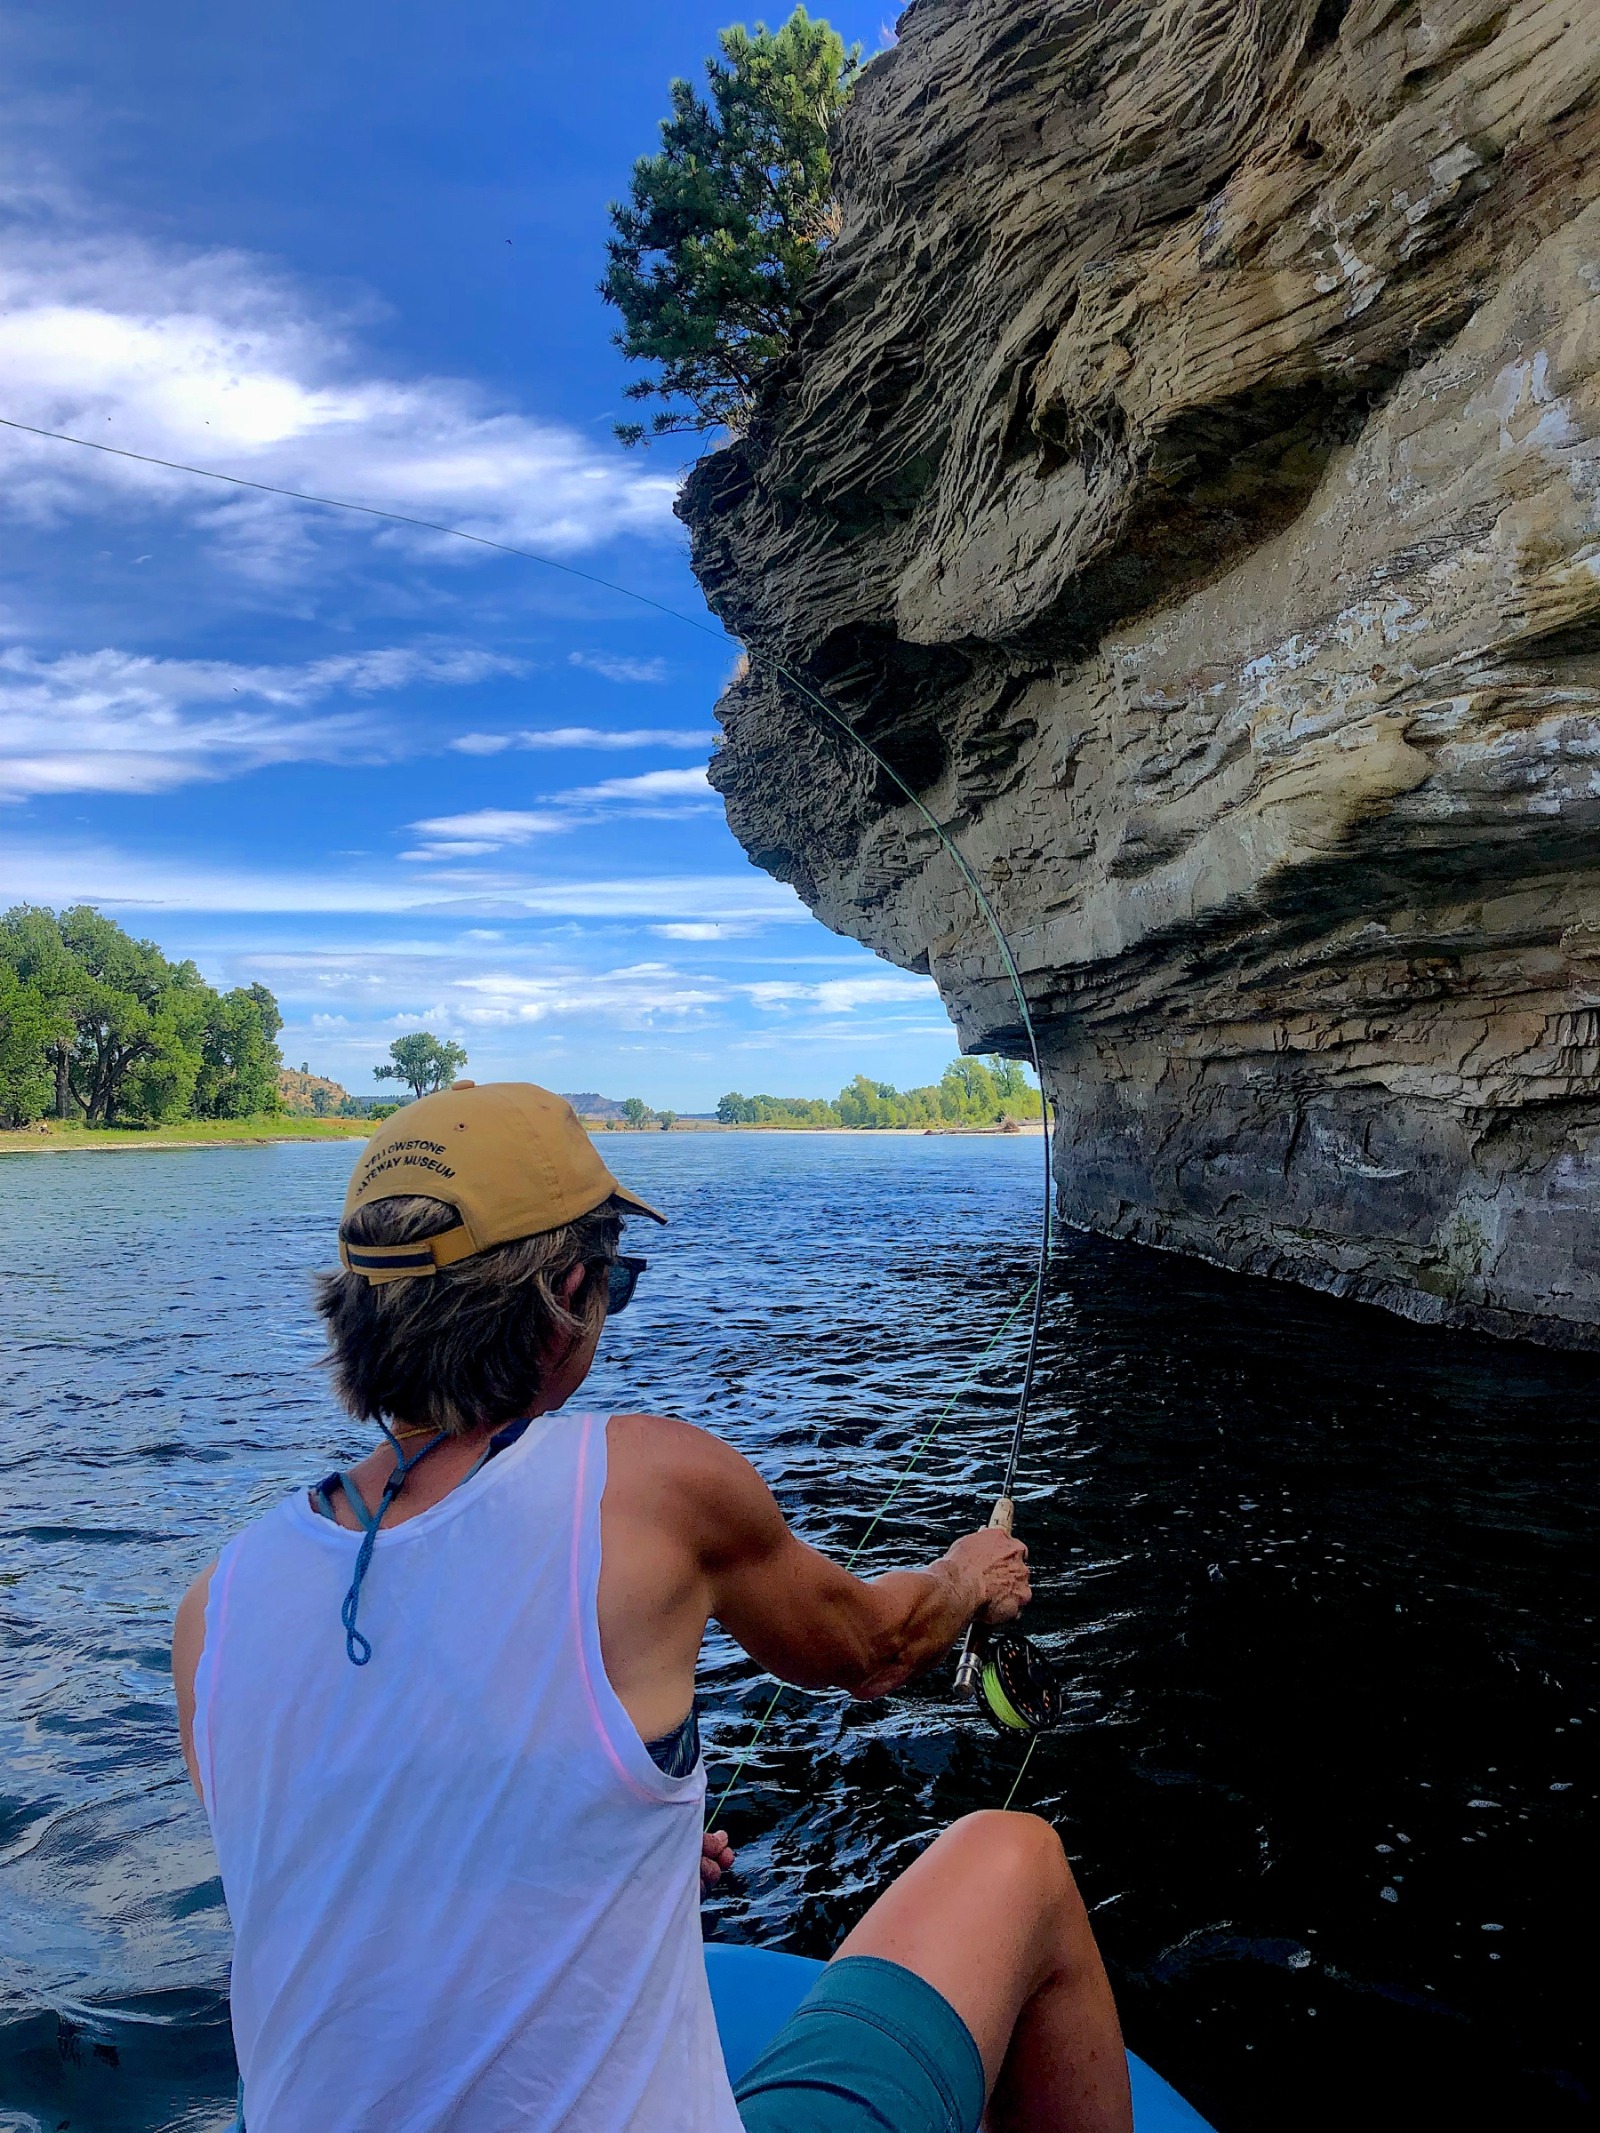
x: 357, y: 1648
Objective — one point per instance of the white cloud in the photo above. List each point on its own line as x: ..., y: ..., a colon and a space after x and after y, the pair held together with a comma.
x: 613, y: 668
x: 651, y: 785
x: 454, y: 848
x: 55, y: 873
x: 114, y: 721
x: 219, y: 360
x: 481, y: 743
x: 586, y: 737
x: 834, y: 996
x: 489, y: 829
x: 697, y: 930
x: 640, y: 993
x: 354, y: 992
x: 633, y: 997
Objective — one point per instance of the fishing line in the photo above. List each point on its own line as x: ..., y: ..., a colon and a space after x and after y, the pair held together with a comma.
x: 874, y: 1522
x: 1022, y: 1771
x: 970, y: 1671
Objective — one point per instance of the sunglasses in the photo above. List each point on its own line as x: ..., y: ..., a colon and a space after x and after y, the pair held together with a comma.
x: 622, y: 1278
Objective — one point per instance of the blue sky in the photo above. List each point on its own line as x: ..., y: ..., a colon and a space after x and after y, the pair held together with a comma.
x: 404, y: 782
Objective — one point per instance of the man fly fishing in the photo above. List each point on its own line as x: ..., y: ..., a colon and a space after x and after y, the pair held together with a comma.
x: 440, y: 1710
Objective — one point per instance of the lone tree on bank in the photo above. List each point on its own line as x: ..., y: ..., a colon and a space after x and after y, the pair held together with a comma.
x: 727, y: 222
x: 422, y: 1063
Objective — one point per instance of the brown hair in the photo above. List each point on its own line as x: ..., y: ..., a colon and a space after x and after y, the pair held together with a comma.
x: 467, y: 1347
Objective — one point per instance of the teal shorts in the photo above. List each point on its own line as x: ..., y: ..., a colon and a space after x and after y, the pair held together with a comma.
x: 872, y: 2048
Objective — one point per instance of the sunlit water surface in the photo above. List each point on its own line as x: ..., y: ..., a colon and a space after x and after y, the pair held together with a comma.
x: 1323, y: 1584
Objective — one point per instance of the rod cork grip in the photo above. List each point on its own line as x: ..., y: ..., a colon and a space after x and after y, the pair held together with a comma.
x: 1003, y: 1514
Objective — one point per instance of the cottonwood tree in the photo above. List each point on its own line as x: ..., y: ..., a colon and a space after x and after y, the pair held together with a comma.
x: 725, y: 225
x: 139, y: 1020
x: 120, y: 1035
x: 32, y: 947
x: 30, y: 1028
x: 238, y: 1075
x: 423, y: 1062
x: 1014, y: 1092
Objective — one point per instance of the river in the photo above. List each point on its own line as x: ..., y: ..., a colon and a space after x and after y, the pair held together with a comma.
x: 1323, y: 1583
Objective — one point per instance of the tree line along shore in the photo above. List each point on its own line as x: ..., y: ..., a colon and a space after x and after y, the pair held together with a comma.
x: 48, y: 1137
x: 106, y: 1042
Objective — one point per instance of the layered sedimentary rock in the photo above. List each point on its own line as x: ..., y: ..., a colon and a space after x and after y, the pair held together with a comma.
x: 1188, y: 475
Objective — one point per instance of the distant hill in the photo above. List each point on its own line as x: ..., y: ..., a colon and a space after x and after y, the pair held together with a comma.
x: 316, y: 1096
x: 588, y: 1105
x: 309, y: 1095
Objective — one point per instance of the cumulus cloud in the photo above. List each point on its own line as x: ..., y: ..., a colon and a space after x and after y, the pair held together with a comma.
x: 490, y: 829
x: 480, y: 992
x: 115, y: 721
x: 642, y: 993
x: 635, y: 996
x: 600, y: 737
x: 616, y: 669
x: 217, y: 359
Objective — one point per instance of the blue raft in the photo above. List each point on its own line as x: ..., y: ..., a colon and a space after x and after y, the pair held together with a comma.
x: 755, y: 1990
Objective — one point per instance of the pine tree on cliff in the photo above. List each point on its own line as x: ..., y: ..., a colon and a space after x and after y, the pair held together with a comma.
x: 727, y: 222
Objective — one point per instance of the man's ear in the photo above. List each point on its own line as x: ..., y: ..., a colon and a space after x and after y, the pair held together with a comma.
x: 572, y: 1282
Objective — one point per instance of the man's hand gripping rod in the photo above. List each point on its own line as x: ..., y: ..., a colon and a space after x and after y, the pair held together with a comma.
x: 1016, y: 1688
x: 969, y: 1667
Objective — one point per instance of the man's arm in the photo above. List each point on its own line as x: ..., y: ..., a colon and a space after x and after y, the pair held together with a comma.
x: 188, y: 1642
x: 809, y: 1621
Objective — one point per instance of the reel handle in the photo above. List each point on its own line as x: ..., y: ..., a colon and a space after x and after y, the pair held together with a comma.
x: 969, y: 1667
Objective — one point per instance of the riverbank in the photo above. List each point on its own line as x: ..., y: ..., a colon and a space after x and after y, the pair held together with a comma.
x: 53, y: 1137
x: 50, y: 1137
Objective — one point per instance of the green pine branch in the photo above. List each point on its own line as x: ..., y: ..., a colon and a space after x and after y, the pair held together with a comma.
x: 724, y: 226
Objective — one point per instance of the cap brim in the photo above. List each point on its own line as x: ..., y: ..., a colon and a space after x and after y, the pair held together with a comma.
x: 640, y: 1207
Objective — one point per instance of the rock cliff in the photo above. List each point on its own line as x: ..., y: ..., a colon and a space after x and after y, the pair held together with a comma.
x: 1188, y: 473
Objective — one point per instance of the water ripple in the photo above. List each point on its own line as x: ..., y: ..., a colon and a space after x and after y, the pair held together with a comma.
x: 1323, y: 1586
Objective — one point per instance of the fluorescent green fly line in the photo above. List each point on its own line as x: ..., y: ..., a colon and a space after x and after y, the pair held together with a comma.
x: 999, y: 1702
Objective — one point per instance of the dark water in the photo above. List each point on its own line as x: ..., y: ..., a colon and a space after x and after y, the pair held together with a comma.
x: 1324, y: 1584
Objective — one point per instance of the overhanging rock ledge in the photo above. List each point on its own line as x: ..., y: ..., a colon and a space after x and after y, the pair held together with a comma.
x: 1188, y: 472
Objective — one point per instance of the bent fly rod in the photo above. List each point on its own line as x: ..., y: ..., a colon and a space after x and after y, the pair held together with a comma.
x: 1011, y: 1682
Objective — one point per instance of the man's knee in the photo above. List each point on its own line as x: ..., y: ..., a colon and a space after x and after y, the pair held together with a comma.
x: 1020, y: 1851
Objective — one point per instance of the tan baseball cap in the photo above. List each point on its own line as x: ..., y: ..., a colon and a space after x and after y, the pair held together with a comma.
x: 512, y: 1159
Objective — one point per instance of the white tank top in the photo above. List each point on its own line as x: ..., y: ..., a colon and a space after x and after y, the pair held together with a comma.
x: 463, y: 1896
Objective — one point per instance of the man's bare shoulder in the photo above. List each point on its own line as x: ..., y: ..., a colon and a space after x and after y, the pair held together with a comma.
x: 674, y: 1447
x: 687, y: 1471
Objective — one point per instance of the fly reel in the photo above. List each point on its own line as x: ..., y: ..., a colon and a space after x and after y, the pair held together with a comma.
x: 1016, y: 1688
x: 1019, y: 1691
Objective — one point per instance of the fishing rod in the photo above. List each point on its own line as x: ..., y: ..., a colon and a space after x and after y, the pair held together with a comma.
x: 1012, y: 1683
